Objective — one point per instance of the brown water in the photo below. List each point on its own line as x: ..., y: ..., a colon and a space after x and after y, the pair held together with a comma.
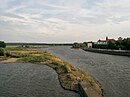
x: 112, y: 71
x: 30, y: 80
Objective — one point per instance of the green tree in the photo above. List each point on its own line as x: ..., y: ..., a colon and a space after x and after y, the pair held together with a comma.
x: 126, y: 43
x: 112, y: 45
x: 76, y: 45
x: 2, y: 44
x: 83, y: 45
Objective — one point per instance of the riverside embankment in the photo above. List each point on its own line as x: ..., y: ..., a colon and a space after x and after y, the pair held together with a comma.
x: 112, y: 71
x: 111, y: 52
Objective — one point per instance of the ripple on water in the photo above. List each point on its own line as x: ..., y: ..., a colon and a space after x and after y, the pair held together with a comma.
x: 30, y: 80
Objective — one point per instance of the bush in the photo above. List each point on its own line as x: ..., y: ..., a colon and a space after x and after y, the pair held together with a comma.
x: 5, y: 53
x: 76, y: 45
x: 79, y: 45
x: 2, y: 44
x: 2, y: 52
x: 100, y: 46
x: 126, y: 43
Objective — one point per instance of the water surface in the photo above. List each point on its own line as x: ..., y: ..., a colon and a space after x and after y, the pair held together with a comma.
x: 30, y: 80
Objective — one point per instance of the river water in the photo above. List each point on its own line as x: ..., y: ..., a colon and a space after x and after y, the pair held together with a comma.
x: 113, y: 72
x: 30, y: 80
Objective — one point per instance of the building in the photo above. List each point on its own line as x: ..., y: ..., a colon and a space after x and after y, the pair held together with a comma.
x: 101, y: 42
x: 89, y: 44
x: 104, y: 42
x: 110, y: 40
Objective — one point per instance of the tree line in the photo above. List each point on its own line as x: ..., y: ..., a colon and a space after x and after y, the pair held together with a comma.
x: 79, y: 45
x: 123, y: 45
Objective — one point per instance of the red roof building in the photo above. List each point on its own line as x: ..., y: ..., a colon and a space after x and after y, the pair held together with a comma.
x: 105, y: 41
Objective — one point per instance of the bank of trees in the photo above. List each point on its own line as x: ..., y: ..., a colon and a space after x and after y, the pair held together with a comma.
x: 123, y: 45
x: 79, y: 45
x: 126, y: 43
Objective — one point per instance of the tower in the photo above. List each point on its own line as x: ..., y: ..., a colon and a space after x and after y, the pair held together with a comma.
x: 107, y: 38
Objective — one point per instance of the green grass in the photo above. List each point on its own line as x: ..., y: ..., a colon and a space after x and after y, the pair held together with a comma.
x: 33, y: 59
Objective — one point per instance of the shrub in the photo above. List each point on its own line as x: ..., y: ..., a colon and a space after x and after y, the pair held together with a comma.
x: 76, y: 45
x: 2, y: 44
x: 101, y: 46
x: 2, y: 52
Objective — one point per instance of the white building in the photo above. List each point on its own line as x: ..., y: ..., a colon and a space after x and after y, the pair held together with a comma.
x: 89, y: 44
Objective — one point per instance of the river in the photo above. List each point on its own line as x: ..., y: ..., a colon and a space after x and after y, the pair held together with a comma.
x: 112, y: 71
x: 30, y: 80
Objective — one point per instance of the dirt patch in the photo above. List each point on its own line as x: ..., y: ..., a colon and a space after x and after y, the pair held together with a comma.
x: 9, y: 60
x: 36, y: 54
x: 23, y: 52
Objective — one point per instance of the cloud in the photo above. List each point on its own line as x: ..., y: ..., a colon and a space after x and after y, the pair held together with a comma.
x: 63, y: 20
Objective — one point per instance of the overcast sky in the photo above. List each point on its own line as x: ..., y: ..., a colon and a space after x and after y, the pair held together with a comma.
x: 63, y: 20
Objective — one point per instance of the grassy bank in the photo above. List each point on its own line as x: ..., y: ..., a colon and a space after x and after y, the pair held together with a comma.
x: 69, y: 76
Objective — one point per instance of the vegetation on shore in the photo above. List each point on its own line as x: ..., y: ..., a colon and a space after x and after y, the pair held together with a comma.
x: 123, y: 45
x: 79, y: 45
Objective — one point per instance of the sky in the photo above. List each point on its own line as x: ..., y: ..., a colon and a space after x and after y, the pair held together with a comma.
x: 63, y: 21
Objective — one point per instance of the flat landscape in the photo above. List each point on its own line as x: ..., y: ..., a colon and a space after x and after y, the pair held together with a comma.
x: 47, y: 48
x: 112, y: 71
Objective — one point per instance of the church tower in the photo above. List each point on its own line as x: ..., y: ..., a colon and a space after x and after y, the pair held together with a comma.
x: 107, y: 38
